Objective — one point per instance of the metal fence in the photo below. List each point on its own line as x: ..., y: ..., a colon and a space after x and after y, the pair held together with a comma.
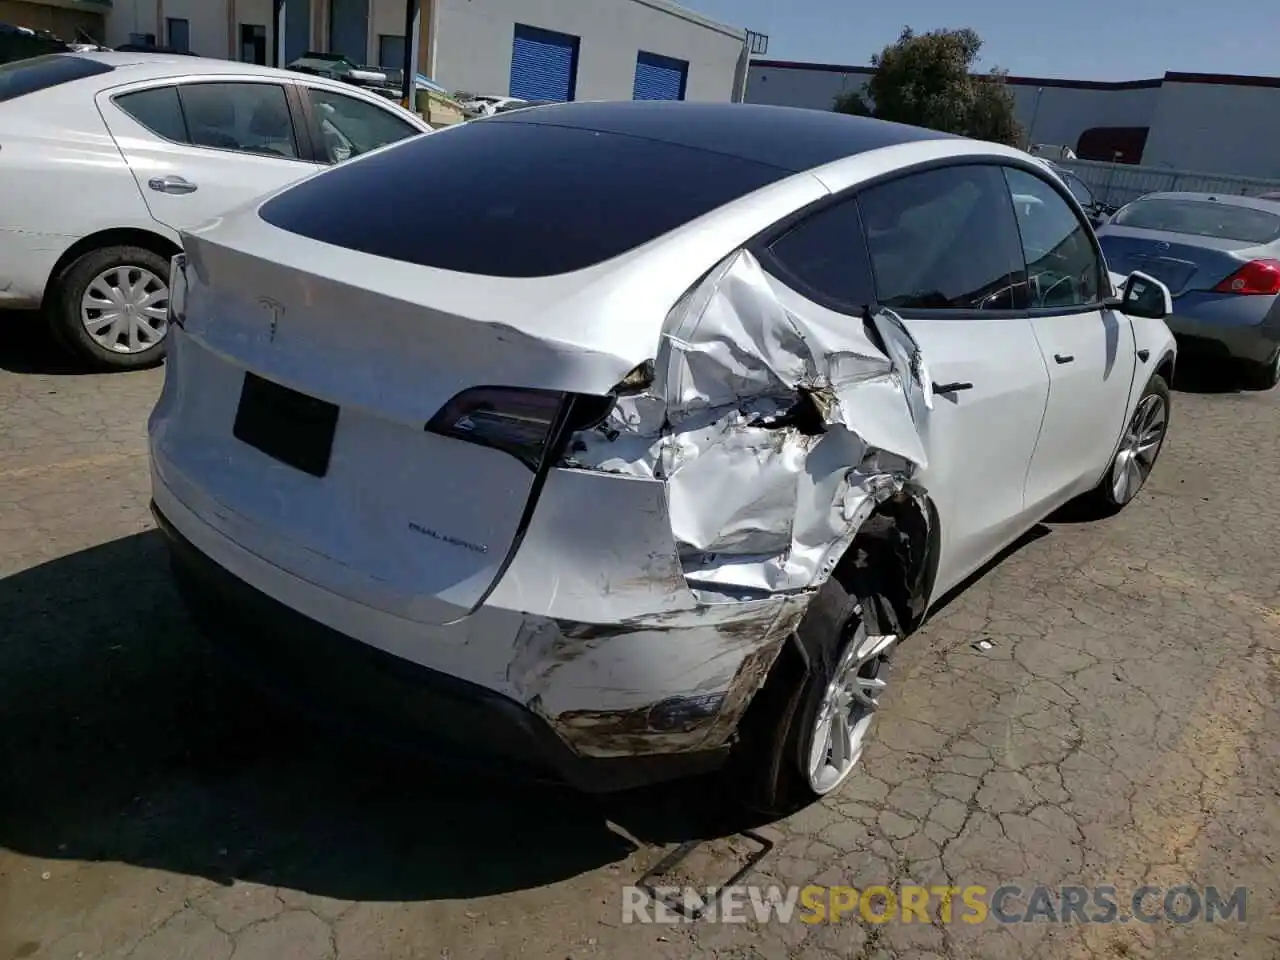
x: 1118, y: 183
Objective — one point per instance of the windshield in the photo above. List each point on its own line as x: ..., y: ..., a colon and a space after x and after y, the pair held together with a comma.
x: 1201, y: 218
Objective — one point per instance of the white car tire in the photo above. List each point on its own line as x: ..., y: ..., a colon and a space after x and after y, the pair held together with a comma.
x: 88, y: 331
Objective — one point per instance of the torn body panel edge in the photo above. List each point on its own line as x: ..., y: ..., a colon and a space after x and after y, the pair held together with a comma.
x: 769, y: 431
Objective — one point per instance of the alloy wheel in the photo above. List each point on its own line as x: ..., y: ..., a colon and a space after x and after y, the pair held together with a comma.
x: 125, y: 309
x: 1139, y: 448
x: 847, y: 709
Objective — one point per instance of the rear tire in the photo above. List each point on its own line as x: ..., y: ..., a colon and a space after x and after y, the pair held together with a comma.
x: 1261, y: 376
x: 128, y: 282
x: 785, y: 756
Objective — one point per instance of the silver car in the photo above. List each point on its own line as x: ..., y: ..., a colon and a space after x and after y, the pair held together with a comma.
x: 1220, y: 258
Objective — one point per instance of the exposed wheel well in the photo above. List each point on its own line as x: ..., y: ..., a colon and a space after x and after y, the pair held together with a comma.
x: 1165, y: 370
x: 124, y: 236
x: 899, y: 541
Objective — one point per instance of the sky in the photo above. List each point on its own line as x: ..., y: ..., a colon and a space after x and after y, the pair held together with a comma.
x: 1074, y: 39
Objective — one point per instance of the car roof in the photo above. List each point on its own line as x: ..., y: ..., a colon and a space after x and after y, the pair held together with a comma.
x: 146, y: 66
x: 790, y: 138
x: 1230, y: 199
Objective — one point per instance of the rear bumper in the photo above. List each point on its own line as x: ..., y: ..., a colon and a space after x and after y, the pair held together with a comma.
x: 1214, y: 331
x: 341, y: 679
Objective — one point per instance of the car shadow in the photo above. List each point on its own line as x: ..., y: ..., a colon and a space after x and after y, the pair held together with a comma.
x: 122, y: 740
x: 1038, y: 532
x: 1208, y: 375
x: 29, y: 348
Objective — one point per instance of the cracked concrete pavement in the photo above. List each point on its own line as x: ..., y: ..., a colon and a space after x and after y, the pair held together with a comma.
x: 1122, y: 729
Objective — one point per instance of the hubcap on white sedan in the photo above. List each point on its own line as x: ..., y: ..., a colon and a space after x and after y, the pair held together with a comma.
x: 847, y: 709
x: 125, y: 309
x: 1139, y: 448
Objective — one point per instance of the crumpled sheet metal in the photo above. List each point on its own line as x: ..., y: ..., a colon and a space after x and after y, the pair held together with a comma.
x: 758, y: 506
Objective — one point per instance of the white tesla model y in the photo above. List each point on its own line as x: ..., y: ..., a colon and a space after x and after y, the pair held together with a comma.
x: 645, y: 456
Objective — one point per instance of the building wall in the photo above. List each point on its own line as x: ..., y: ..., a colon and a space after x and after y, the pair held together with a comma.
x: 1216, y: 128
x: 473, y: 45
x: 816, y: 88
x: 208, y: 25
x: 1066, y: 112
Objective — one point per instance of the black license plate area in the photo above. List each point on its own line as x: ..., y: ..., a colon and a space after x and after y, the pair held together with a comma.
x: 286, y: 425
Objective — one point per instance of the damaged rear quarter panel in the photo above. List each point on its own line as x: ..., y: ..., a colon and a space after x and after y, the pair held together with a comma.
x: 670, y: 558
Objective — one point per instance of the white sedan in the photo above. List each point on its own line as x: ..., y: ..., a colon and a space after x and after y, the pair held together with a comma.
x: 106, y: 157
x: 647, y: 457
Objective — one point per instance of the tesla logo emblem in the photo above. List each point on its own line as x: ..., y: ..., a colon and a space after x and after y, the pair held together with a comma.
x: 276, y: 311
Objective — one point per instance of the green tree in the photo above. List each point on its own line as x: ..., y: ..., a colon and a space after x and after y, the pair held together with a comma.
x: 927, y: 79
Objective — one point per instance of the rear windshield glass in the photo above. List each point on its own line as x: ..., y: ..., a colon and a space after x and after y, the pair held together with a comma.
x: 1201, y: 218
x: 514, y: 199
x: 41, y: 73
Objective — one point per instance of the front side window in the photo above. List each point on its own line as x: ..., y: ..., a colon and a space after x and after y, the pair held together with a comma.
x: 350, y: 127
x: 246, y: 117
x: 945, y: 239
x: 1078, y: 189
x: 1063, y: 269
x: 824, y: 256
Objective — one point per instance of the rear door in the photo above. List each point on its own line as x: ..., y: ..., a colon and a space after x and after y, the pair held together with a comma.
x: 1088, y: 349
x: 199, y: 148
x: 945, y: 254
x: 954, y: 297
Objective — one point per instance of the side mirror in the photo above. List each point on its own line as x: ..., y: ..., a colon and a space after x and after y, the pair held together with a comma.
x: 1145, y: 296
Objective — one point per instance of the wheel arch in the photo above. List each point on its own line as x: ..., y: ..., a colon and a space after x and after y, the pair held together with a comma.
x: 1165, y: 368
x: 151, y: 240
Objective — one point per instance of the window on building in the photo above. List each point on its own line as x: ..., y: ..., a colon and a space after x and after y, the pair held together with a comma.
x: 945, y: 240
x: 179, y: 33
x: 659, y: 78
x: 142, y: 39
x: 253, y: 43
x: 391, y: 51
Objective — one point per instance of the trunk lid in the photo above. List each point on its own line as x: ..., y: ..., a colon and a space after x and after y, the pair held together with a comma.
x: 344, y: 470
x: 1180, y: 262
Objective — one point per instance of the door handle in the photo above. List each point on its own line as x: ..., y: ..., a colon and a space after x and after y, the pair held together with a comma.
x: 177, y: 185
x: 951, y: 387
x: 1063, y: 358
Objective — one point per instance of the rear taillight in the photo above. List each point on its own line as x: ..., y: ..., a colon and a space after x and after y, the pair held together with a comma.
x: 178, y: 290
x: 528, y: 424
x: 1255, y: 277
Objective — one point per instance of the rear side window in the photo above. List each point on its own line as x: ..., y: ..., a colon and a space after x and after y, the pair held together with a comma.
x: 825, y: 257
x: 158, y: 110
x: 40, y: 73
x: 945, y: 239
x: 514, y: 199
x: 1202, y: 218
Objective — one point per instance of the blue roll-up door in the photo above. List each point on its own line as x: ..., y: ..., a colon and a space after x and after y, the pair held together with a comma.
x: 297, y: 29
x: 349, y: 29
x: 659, y: 77
x: 544, y: 64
